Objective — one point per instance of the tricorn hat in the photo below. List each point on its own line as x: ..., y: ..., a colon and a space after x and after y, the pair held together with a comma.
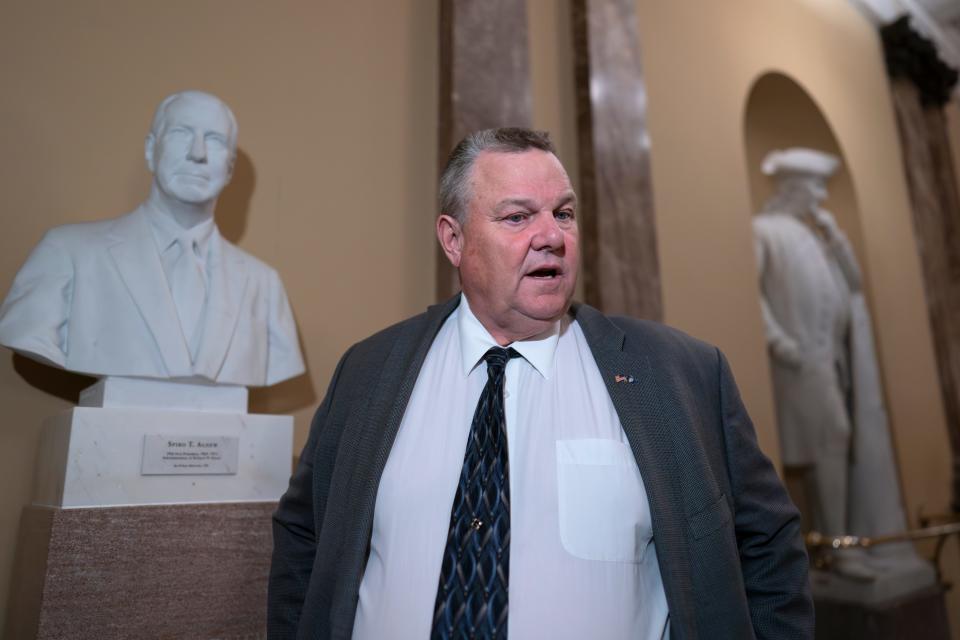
x: 800, y: 160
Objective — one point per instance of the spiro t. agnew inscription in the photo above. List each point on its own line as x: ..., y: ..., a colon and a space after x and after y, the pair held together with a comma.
x: 165, y: 455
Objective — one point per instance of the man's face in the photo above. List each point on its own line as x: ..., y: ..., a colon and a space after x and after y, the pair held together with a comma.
x: 518, y: 250
x: 192, y: 155
x: 817, y: 188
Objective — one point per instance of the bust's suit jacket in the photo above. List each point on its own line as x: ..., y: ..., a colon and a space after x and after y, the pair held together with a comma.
x: 93, y: 298
x: 727, y: 536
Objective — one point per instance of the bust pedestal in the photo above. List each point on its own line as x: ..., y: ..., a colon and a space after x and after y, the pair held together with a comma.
x: 151, y: 520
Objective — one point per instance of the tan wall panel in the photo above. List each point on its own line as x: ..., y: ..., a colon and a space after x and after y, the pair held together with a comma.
x: 337, y: 107
x: 701, y: 59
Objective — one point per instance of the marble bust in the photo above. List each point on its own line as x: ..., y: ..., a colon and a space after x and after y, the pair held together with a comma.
x: 158, y: 293
x: 830, y: 407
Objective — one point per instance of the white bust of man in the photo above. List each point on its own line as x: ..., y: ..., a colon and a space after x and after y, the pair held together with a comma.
x: 158, y: 293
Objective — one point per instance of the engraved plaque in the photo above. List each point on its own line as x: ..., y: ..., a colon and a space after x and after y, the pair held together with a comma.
x: 189, y: 455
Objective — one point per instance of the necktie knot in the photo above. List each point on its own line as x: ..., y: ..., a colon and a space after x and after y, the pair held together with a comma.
x: 497, y: 357
x: 189, y: 246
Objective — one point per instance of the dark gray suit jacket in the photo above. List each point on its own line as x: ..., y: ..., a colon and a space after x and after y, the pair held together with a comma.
x: 727, y: 536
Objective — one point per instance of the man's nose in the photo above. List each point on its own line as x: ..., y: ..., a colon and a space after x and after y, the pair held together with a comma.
x: 198, y: 149
x: 548, y: 234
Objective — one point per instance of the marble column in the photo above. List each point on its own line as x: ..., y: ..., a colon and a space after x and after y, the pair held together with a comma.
x: 484, y: 81
x: 921, y: 84
x: 621, y: 270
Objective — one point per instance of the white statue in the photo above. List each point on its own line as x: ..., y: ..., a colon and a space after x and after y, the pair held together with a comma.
x: 830, y: 405
x: 158, y: 293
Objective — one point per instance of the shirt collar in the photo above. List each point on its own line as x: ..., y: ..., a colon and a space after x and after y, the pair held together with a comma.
x: 166, y: 232
x: 539, y: 350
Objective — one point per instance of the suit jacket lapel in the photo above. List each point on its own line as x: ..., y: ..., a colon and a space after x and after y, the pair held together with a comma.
x: 134, y: 253
x: 640, y: 407
x: 227, y: 287
x: 368, y: 438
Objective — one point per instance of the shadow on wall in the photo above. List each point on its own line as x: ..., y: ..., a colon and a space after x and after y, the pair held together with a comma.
x: 60, y: 383
x: 290, y: 395
x: 233, y: 206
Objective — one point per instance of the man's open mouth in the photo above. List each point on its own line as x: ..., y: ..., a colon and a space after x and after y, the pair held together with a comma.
x: 545, y: 273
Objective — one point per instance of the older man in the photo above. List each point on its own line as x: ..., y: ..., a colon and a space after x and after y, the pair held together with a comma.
x: 158, y: 293
x: 508, y: 465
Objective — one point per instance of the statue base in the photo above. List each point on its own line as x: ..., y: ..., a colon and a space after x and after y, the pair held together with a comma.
x: 98, y: 457
x: 921, y: 614
x: 176, y: 571
x: 151, y: 521
x: 897, y: 577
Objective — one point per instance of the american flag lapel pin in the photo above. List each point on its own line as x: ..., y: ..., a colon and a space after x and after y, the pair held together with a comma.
x: 621, y: 378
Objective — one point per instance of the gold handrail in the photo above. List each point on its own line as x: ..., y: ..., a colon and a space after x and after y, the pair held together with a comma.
x: 817, y: 540
x: 820, y: 543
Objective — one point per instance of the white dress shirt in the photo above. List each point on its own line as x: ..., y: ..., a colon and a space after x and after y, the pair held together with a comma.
x: 582, y: 559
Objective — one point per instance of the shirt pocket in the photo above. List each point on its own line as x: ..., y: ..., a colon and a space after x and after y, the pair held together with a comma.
x: 602, y: 506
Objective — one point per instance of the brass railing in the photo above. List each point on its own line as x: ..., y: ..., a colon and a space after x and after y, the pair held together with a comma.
x: 940, y: 526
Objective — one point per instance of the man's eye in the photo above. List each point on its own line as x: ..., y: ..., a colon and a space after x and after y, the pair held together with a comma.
x: 563, y: 214
x: 516, y: 218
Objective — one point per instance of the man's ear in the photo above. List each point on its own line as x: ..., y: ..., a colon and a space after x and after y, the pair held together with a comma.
x: 450, y: 235
x: 148, y: 151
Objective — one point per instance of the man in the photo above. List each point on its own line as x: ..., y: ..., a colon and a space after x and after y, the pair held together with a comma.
x: 158, y: 293
x: 608, y: 484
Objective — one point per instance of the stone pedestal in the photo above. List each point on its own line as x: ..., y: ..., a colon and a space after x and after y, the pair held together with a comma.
x: 151, y: 515
x: 922, y: 614
x: 897, y: 576
x: 175, y: 571
x: 95, y: 457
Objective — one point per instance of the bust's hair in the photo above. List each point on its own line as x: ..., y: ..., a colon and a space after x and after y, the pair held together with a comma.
x: 454, y: 191
x: 160, y: 115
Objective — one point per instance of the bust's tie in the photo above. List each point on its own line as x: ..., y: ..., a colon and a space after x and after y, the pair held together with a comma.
x: 472, y: 595
x: 189, y: 287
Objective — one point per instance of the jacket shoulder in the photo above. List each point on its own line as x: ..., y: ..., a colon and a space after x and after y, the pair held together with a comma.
x: 384, y: 340
x: 657, y: 338
x: 79, y: 234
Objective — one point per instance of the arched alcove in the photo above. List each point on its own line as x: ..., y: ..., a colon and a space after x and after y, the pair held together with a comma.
x: 779, y: 114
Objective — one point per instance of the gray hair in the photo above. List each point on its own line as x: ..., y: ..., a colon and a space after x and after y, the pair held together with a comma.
x: 454, y: 191
x: 160, y: 115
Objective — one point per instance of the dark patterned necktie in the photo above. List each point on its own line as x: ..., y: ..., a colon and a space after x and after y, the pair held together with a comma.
x: 472, y: 596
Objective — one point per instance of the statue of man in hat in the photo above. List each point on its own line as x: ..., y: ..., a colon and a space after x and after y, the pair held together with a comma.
x: 830, y: 407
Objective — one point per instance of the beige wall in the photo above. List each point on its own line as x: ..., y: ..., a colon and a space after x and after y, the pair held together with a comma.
x: 335, y: 184
x: 337, y: 105
x: 701, y: 60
